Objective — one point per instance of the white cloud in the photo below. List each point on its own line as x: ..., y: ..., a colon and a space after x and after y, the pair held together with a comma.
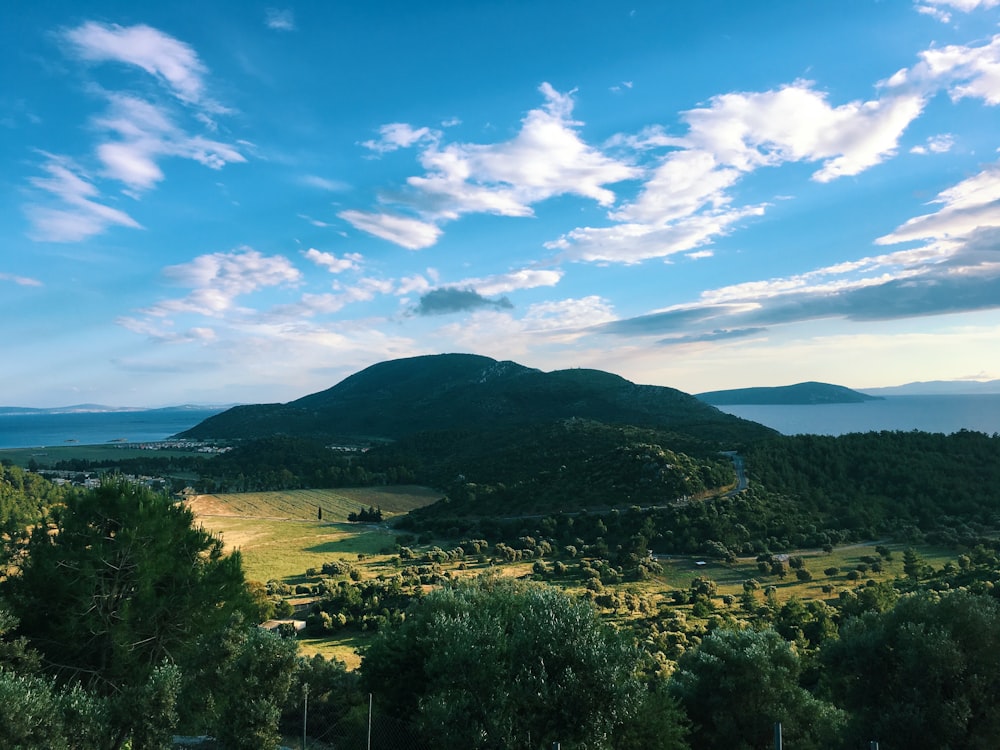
x: 417, y: 283
x: 147, y: 133
x: 929, y: 10
x: 547, y: 158
x: 685, y: 202
x: 310, y: 305
x: 404, y: 231
x: 218, y: 279
x: 966, y: 207
x: 333, y: 264
x: 322, y: 183
x: 525, y: 278
x: 636, y: 242
x: 136, y: 133
x: 570, y: 315
x: 159, y: 54
x: 795, y: 123
x: 280, y: 20
x: 684, y: 183
x: 550, y: 325
x: 937, y: 144
x: 77, y: 215
x: 961, y: 70
x: 966, y: 6
x: 397, y: 135
x: 19, y: 280
x: 164, y: 333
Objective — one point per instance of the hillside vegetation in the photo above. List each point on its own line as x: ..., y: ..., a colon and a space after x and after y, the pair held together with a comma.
x: 800, y: 393
x: 391, y: 400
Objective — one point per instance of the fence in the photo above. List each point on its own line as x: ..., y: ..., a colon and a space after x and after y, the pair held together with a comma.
x: 372, y: 731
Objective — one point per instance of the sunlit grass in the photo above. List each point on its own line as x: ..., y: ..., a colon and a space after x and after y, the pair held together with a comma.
x: 280, y: 536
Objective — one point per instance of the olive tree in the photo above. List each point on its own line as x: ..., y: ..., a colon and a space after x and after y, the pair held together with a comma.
x: 497, y: 663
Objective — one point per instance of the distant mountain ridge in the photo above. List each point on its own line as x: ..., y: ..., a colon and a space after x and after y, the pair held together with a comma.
x: 799, y: 394
x: 102, y: 409
x: 397, y: 398
x: 938, y: 388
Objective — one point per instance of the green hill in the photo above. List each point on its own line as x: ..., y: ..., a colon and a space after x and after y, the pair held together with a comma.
x: 447, y: 392
x: 800, y: 393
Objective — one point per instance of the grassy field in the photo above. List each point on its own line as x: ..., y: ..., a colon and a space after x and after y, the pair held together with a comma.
x: 678, y: 572
x: 280, y: 535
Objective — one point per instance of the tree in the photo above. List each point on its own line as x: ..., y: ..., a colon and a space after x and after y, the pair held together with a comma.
x: 497, y: 663
x: 34, y: 711
x: 244, y: 677
x: 924, y: 674
x: 738, y: 683
x: 114, y: 593
x: 913, y: 565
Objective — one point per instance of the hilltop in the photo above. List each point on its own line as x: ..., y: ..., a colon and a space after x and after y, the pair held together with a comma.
x: 800, y: 393
x: 448, y: 392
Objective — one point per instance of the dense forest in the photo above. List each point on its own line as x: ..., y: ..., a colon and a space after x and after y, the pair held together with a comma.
x: 163, y: 636
x: 163, y: 640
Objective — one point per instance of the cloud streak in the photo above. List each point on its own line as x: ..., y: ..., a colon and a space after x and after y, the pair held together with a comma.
x: 956, y: 270
x: 136, y: 133
x: 169, y: 60
x: 71, y: 212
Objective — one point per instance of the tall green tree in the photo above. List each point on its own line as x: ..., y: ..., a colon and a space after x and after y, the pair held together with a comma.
x: 923, y: 675
x: 497, y: 663
x: 114, y: 591
x: 738, y: 683
x: 240, y: 685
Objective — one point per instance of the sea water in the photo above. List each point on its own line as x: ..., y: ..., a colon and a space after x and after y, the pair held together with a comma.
x: 947, y: 414
x: 48, y: 429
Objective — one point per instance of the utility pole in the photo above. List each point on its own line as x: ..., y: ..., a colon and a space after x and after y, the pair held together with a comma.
x: 777, y: 735
x: 369, y: 721
x: 305, y: 712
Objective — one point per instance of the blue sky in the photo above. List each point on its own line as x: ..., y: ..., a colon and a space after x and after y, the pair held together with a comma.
x: 239, y: 202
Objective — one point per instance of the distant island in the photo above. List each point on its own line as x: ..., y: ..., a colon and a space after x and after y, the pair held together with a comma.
x: 798, y: 394
x: 939, y: 388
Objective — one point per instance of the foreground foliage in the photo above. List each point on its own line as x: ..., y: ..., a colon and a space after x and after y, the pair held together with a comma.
x: 499, y: 664
x: 119, y: 604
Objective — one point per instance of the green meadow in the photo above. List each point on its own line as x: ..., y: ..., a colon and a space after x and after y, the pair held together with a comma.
x: 280, y: 534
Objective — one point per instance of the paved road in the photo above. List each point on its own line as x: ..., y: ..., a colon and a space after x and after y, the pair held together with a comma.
x: 741, y: 474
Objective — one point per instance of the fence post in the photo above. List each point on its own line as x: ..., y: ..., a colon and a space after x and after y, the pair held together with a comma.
x: 369, y: 721
x: 305, y: 712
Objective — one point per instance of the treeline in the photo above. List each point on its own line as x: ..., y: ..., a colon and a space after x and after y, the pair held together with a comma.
x: 266, y: 464
x: 749, y: 523
x: 564, y: 465
x: 885, y: 482
x: 24, y: 498
x: 122, y: 624
x: 806, y: 491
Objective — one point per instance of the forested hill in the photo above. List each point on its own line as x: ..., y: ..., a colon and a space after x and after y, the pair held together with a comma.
x: 800, y: 393
x: 394, y: 399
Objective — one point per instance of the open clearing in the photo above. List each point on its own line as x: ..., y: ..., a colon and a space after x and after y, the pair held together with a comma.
x: 280, y: 535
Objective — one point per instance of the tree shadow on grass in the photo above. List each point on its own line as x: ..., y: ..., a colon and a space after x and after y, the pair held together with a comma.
x: 368, y: 542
